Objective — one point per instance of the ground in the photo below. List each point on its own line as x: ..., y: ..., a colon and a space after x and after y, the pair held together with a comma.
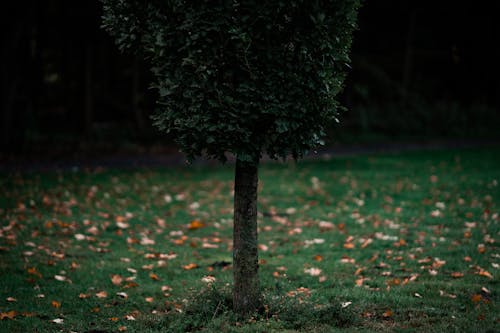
x: 370, y: 242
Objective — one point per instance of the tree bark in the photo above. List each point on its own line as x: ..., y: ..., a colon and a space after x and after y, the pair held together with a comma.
x: 246, y: 293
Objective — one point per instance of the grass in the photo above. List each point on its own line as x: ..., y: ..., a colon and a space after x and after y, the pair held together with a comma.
x: 387, y: 243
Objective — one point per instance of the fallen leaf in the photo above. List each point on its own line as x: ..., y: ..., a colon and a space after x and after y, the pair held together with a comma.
x: 102, y: 294
x: 195, y: 224
x: 8, y: 315
x: 325, y: 226
x: 457, y: 274
x: 387, y: 314
x: 149, y: 299
x: 153, y: 276
x: 116, y: 279
x: 318, y: 257
x: 476, y: 298
x: 11, y: 299
x: 122, y: 295
x: 58, y: 321
x: 55, y: 304
x: 312, y: 271
x: 487, y: 274
x: 345, y: 304
x: 444, y: 294
x: 122, y: 328
x: 190, y: 266
x: 207, y: 279
x: 349, y: 245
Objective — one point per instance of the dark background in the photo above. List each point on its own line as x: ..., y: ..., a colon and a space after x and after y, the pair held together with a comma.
x: 421, y: 70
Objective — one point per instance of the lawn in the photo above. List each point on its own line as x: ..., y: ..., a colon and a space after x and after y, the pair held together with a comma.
x: 400, y: 242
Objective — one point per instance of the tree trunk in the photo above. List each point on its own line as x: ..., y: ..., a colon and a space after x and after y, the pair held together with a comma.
x: 246, y: 293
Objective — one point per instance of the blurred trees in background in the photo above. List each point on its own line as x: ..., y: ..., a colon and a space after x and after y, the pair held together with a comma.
x: 420, y: 69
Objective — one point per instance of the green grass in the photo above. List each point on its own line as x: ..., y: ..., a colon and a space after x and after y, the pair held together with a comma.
x: 412, y: 244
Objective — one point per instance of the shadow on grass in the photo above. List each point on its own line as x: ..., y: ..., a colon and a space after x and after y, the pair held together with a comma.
x: 211, y: 311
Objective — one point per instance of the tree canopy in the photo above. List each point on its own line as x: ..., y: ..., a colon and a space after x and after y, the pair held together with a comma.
x: 244, y: 77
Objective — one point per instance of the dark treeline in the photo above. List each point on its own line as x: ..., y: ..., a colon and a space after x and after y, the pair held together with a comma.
x: 420, y: 69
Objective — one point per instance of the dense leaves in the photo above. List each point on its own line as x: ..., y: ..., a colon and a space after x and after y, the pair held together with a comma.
x: 245, y: 77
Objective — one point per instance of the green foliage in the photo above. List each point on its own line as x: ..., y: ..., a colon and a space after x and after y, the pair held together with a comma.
x: 246, y: 77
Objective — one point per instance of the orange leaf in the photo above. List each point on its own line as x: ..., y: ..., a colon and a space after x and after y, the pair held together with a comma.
x: 55, y: 304
x: 114, y: 318
x: 387, y: 314
x: 349, y: 245
x: 189, y: 267
x: 318, y: 257
x: 476, y: 298
x: 7, y: 315
x: 366, y: 243
x: 482, y: 272
x: 153, y: 276
x: 33, y: 271
x: 195, y: 224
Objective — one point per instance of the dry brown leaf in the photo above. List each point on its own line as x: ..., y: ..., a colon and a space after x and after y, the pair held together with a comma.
x: 457, y: 274
x: 116, y: 279
x: 154, y: 277
x: 55, y: 304
x: 102, y: 294
x: 476, y: 298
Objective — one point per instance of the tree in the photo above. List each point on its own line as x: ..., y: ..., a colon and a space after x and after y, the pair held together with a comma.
x: 242, y: 77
